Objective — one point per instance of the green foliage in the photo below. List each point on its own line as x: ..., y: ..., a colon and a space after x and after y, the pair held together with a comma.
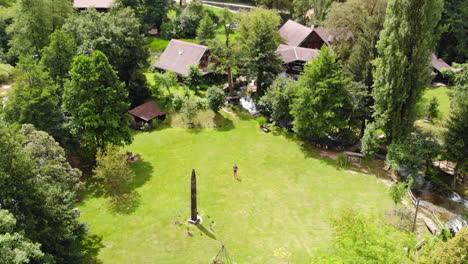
x: 151, y: 13
x: 321, y: 8
x: 453, y: 43
x: 39, y: 188
x: 341, y: 160
x: 454, y: 251
x: 258, y: 39
x: 113, y: 170
x: 194, y: 77
x: 216, y: 98
x: 165, y: 80
x: 416, y: 151
x: 402, y: 69
x: 206, y: 30
x: 97, y: 103
x: 432, y: 110
x: 6, y: 72
x: 261, y: 121
x: 35, y: 99
x: 278, y: 100
x: 362, y: 102
x: 397, y: 192
x: 370, y: 141
x: 35, y: 20
x: 357, y: 52
x: 189, y: 110
x: 15, y: 248
x: 321, y: 107
x: 456, y: 137
x: 58, y: 56
x: 363, y: 240
x: 117, y: 35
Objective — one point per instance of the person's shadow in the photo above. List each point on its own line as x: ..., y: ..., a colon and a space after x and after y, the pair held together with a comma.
x: 207, y: 232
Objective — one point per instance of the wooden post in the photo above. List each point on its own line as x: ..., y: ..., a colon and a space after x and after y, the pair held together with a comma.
x: 415, y: 215
x: 193, y: 188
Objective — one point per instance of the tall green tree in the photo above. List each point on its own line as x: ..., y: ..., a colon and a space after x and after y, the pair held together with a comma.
x: 216, y: 98
x: 35, y: 20
x: 403, y: 68
x: 97, y: 103
x: 117, y: 35
x: 38, y: 190
x: 279, y: 99
x: 259, y: 39
x: 35, y: 99
x: 321, y: 107
x: 206, y: 30
x: 321, y: 8
x: 456, y: 136
x: 453, y: 43
x: 57, y: 57
x: 224, y: 53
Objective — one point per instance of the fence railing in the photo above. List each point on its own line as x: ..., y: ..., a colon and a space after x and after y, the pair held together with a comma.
x: 423, y: 207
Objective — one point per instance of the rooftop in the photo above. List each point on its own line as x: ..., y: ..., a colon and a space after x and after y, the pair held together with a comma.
x: 147, y: 111
x: 179, y: 55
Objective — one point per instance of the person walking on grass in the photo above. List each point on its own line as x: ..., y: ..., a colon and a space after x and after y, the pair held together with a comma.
x: 235, y: 169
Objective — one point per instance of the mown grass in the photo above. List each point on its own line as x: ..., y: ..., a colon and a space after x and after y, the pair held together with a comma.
x: 282, y: 203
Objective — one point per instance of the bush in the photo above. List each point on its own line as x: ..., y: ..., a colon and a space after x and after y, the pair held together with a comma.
x: 370, y: 141
x: 6, y: 72
x: 432, y: 110
x: 216, y: 98
x: 261, y: 121
x: 202, y: 103
x: 178, y: 101
x: 340, y: 158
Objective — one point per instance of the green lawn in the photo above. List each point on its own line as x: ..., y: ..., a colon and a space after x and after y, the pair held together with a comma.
x: 444, y: 100
x: 283, y: 202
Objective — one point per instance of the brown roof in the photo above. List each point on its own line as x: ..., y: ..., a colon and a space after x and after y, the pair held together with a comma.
x: 291, y: 53
x: 179, y: 55
x: 147, y: 111
x: 93, y: 3
x: 294, y: 33
x: 439, y: 64
x: 324, y: 34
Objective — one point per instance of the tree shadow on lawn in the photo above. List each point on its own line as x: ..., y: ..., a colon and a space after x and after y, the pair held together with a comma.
x: 242, y: 113
x: 206, y: 232
x: 222, y: 123
x: 127, y: 203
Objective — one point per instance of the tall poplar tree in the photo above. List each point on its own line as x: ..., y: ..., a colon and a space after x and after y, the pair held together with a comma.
x: 97, y: 103
x: 403, y: 68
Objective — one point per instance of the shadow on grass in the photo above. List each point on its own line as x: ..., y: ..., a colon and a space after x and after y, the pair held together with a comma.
x: 206, y: 231
x: 143, y: 171
x: 92, y: 245
x: 222, y: 123
x: 242, y: 113
x: 125, y: 204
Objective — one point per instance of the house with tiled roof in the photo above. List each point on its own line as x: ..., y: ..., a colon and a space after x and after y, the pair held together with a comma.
x: 100, y: 5
x: 180, y: 55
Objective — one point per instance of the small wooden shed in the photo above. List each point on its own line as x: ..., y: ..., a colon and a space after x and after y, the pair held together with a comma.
x: 143, y: 114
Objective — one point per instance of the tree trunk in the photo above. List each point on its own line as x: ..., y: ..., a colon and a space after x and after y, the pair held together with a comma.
x: 363, y: 128
x: 455, y: 176
x: 230, y: 81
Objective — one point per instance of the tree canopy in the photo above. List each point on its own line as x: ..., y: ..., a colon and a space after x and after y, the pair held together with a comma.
x: 97, y: 103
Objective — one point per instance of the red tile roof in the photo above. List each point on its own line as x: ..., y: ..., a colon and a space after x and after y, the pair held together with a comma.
x: 93, y: 3
x: 147, y: 111
x: 179, y: 55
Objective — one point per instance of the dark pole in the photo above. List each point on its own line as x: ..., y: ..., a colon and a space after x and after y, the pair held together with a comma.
x: 415, y: 215
x: 194, y: 215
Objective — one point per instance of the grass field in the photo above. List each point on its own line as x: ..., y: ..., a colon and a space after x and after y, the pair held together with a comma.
x: 283, y: 202
x: 444, y: 100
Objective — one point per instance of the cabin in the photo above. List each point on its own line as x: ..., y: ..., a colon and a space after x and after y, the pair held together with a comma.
x: 439, y: 66
x: 294, y: 58
x: 145, y: 113
x: 179, y: 55
x: 302, y: 44
x: 298, y: 35
x: 100, y: 5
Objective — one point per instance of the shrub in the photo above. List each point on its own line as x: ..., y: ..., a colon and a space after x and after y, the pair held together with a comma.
x: 6, y: 72
x: 370, y: 141
x: 432, y: 110
x: 261, y: 121
x: 216, y: 98
x: 202, y: 103
x: 178, y: 101
x: 340, y: 158
x: 397, y: 191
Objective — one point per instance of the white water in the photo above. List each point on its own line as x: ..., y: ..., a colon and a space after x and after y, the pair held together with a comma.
x: 248, y: 103
x: 457, y: 198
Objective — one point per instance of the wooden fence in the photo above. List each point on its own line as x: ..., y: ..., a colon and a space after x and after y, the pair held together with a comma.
x: 428, y: 211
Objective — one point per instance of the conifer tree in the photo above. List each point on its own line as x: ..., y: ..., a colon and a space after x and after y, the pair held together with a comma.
x: 403, y: 68
x: 206, y: 30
